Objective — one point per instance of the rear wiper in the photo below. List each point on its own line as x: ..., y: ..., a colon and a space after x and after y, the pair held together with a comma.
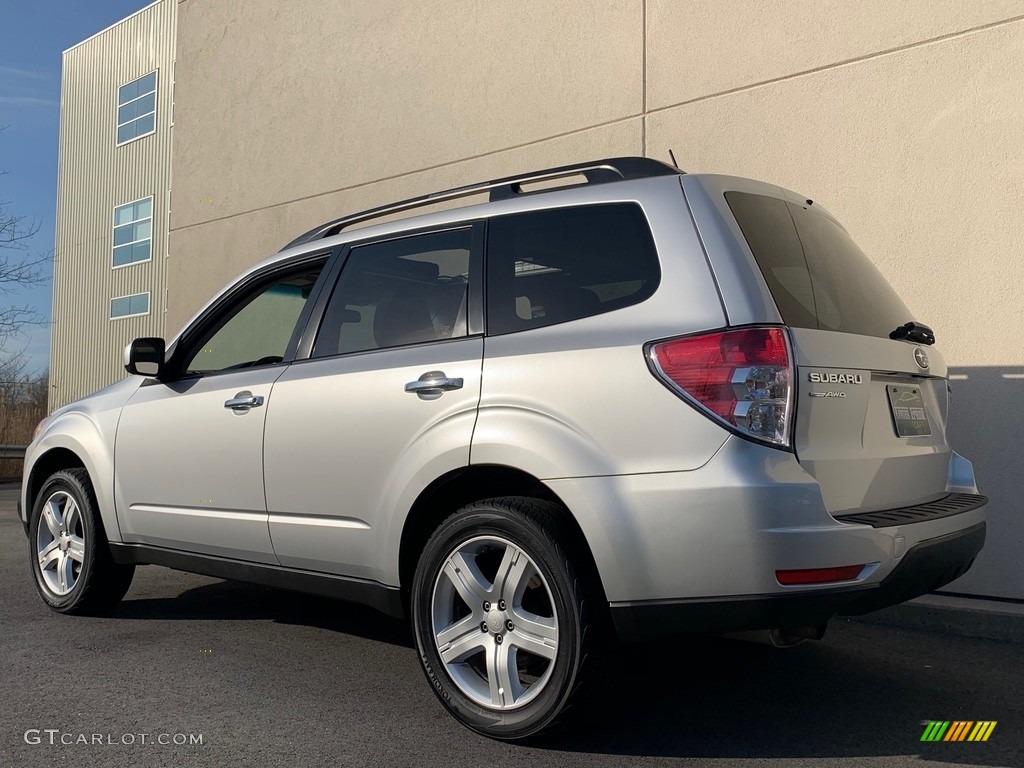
x: 912, y: 331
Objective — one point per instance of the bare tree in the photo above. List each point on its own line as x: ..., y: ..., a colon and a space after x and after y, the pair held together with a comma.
x: 23, y: 394
x: 18, y: 269
x: 23, y: 403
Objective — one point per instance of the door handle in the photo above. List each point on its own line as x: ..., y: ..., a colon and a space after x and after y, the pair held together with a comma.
x: 243, y: 401
x: 432, y: 385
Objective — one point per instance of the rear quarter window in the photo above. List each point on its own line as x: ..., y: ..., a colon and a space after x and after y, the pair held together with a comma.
x: 552, y: 266
x: 817, y: 275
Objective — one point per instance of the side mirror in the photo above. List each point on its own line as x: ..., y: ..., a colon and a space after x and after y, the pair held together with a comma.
x: 145, y: 357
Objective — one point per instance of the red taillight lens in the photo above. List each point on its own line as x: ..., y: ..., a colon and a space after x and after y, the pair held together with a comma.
x: 819, y: 575
x: 743, y: 377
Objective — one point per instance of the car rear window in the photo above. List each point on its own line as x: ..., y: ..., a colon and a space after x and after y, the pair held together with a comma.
x: 556, y: 265
x: 817, y: 275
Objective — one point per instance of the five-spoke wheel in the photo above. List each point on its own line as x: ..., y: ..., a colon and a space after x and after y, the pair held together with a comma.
x: 494, y: 622
x: 70, y: 558
x: 60, y: 543
x: 500, y: 618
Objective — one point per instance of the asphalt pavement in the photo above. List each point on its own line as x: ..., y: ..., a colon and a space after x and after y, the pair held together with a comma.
x: 267, y: 678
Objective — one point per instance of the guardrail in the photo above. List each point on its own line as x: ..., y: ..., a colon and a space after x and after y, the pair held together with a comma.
x: 12, y: 451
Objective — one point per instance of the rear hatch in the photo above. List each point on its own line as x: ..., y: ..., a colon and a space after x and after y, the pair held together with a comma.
x: 870, y: 411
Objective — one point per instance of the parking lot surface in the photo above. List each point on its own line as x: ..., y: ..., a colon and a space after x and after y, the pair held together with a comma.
x: 265, y: 678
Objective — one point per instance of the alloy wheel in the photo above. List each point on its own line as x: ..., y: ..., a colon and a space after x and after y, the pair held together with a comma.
x: 60, y: 543
x: 494, y: 623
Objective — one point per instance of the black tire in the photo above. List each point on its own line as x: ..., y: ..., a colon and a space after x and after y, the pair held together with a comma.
x: 532, y: 526
x: 99, y: 583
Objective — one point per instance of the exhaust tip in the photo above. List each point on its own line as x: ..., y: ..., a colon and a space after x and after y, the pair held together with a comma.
x: 780, y: 637
x: 787, y: 637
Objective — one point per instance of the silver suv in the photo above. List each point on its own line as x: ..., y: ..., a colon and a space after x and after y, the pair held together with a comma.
x: 638, y: 403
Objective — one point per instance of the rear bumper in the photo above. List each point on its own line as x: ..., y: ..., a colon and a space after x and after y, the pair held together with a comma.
x: 710, y: 541
x: 927, y: 566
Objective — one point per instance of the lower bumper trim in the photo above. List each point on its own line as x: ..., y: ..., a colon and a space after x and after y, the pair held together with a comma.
x: 927, y: 566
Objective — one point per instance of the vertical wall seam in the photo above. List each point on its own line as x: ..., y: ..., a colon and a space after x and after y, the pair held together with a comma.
x: 643, y: 77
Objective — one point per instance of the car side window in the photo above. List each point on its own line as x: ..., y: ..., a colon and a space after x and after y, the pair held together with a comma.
x: 258, y: 330
x: 551, y: 266
x: 398, y: 292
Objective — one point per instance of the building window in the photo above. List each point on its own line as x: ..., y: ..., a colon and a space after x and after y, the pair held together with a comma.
x: 136, y: 108
x: 129, y: 306
x: 133, y: 232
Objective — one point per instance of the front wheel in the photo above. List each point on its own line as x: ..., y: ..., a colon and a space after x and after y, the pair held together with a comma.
x: 500, y: 618
x: 70, y: 557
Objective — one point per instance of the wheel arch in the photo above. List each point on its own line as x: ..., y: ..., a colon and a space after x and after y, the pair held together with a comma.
x: 459, y: 487
x: 67, y: 450
x: 54, y: 460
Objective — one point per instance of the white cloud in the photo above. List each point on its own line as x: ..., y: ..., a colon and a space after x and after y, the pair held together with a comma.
x: 29, y: 74
x: 28, y: 101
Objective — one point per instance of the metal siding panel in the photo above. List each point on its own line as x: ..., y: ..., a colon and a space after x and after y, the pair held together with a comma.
x: 94, y: 176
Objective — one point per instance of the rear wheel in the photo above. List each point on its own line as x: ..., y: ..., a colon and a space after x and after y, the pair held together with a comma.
x: 70, y: 557
x: 500, y: 618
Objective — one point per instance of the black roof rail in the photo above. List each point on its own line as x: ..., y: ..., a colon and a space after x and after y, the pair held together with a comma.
x: 595, y: 172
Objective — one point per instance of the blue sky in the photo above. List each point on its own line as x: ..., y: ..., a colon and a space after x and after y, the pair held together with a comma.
x: 33, y: 35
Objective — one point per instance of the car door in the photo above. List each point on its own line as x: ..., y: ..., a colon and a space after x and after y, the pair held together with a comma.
x: 188, y: 458
x: 385, y: 403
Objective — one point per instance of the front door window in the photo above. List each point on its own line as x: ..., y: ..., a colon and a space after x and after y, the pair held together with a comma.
x: 260, y: 330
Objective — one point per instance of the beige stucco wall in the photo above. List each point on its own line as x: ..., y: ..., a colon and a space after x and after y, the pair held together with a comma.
x: 278, y: 102
x: 903, y: 119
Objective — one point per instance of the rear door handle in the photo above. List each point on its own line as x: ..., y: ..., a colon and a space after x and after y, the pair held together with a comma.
x: 243, y: 401
x: 432, y: 385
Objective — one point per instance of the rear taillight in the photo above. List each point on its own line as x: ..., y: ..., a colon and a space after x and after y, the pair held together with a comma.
x: 743, y: 378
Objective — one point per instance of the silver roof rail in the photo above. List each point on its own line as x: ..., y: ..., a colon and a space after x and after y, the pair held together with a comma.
x: 595, y: 172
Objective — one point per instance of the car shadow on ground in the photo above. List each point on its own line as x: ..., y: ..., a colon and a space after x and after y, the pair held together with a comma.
x: 863, y: 692
x: 231, y: 600
x: 720, y: 698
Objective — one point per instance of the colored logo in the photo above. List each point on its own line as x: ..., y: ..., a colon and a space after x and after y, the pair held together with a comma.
x: 958, y: 730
